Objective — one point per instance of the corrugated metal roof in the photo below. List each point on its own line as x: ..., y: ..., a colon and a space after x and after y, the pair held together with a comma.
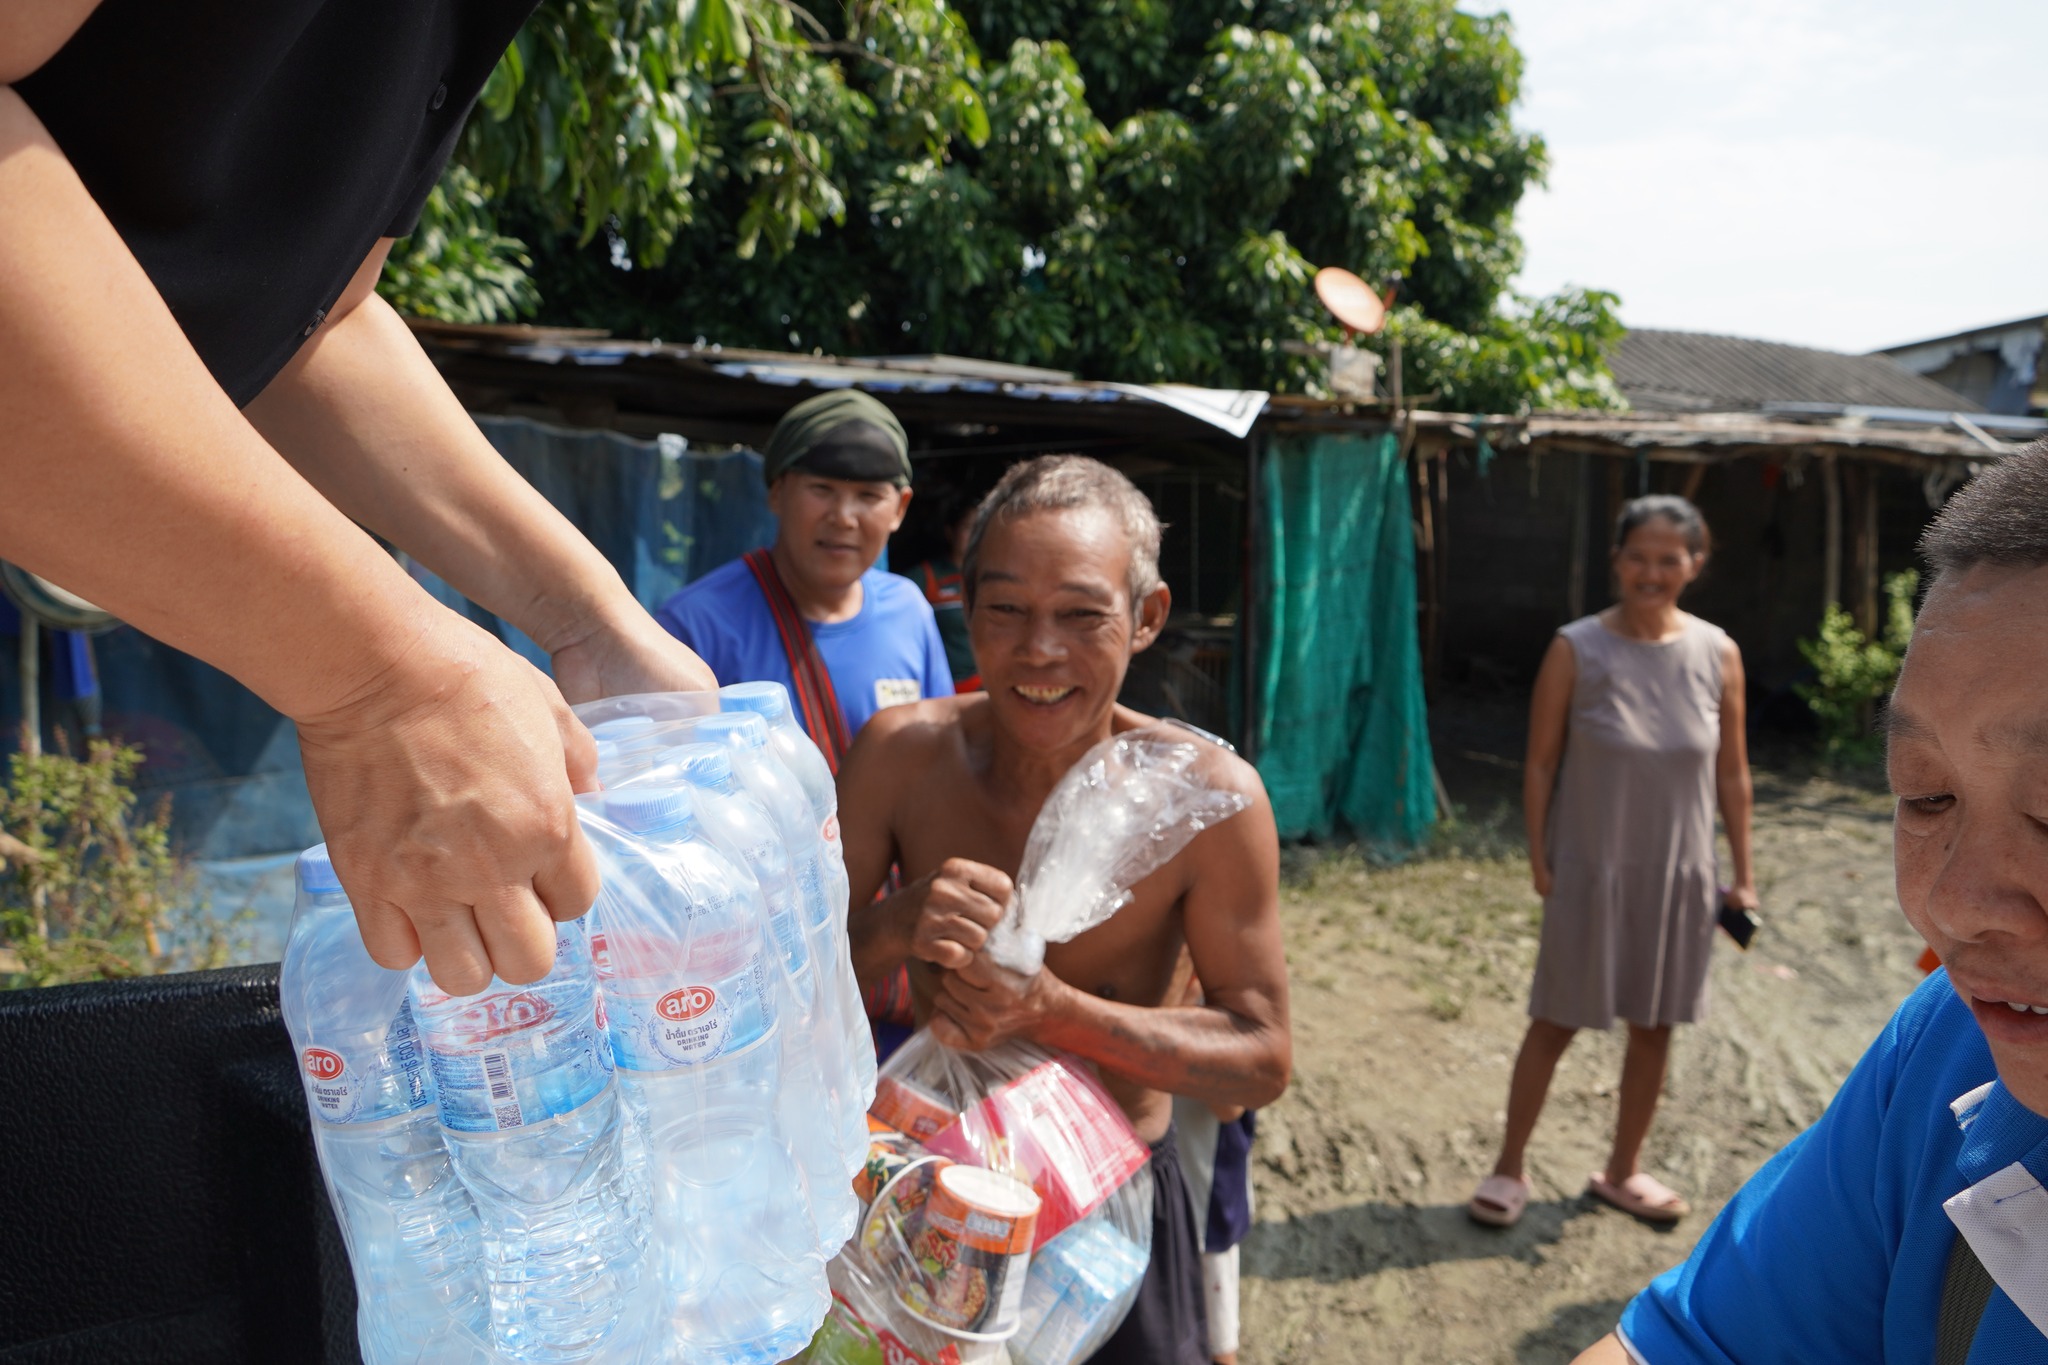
x: 1233, y: 411
x: 1697, y: 372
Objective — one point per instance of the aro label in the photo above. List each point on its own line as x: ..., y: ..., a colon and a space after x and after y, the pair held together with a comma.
x: 682, y: 1005
x: 323, y: 1065
x: 502, y: 1014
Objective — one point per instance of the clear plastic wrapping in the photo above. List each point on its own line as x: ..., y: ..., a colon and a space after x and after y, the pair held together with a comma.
x: 1119, y: 815
x: 643, y: 1158
x: 1044, y: 1119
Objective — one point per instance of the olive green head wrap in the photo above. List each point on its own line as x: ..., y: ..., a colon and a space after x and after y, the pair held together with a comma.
x: 843, y: 434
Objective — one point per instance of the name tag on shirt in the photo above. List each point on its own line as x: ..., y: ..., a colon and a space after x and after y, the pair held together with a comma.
x: 896, y: 692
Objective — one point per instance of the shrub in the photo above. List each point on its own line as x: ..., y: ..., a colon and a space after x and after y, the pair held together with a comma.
x: 1853, y: 672
x: 87, y: 889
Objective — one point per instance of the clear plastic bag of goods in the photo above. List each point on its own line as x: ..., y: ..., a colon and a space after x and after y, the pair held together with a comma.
x: 700, y: 1010
x: 1131, y: 803
x: 1044, y: 1119
x: 1019, y: 1109
x: 901, y: 1293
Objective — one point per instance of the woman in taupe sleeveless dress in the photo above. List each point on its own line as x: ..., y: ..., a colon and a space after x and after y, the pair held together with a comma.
x: 1635, y: 737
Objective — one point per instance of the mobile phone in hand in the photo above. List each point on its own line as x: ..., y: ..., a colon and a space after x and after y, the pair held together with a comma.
x: 1740, y: 924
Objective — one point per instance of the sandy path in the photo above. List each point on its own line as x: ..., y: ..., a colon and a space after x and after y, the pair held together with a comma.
x: 1409, y: 985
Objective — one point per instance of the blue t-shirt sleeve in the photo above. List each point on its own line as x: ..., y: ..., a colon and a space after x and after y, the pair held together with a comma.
x: 674, y: 617
x: 938, y: 674
x: 1797, y: 1266
x: 703, y: 616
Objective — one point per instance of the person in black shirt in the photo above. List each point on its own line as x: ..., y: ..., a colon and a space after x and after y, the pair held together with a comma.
x: 204, y: 401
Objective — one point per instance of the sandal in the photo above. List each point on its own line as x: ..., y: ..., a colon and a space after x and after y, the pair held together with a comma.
x: 1640, y: 1196
x: 1499, y: 1201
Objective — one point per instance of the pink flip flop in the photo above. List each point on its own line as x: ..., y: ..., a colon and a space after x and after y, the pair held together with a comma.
x: 1499, y: 1201
x: 1640, y: 1196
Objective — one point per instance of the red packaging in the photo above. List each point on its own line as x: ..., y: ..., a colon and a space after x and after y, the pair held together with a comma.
x: 1055, y: 1128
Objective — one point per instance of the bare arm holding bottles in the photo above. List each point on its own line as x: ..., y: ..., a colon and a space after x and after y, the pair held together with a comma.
x: 442, y: 766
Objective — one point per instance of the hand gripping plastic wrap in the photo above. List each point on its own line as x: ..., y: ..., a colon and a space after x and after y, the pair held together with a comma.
x: 1119, y: 815
x: 644, y: 1157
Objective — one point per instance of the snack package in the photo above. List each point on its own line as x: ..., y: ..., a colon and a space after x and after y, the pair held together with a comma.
x: 1024, y: 1111
x: 1129, y: 805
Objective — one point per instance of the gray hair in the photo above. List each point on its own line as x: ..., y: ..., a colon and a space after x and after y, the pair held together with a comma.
x: 1683, y: 516
x: 1062, y: 483
x: 2000, y: 518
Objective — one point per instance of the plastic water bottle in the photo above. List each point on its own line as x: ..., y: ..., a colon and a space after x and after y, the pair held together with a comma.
x: 411, y: 1230
x: 770, y: 701
x: 814, y: 1072
x: 530, y: 1114
x: 769, y: 782
x: 694, y: 1006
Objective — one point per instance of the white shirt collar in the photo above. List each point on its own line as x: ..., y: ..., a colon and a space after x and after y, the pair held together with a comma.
x: 2004, y: 1217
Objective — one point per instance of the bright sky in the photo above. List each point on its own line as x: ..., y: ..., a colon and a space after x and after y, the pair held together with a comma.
x: 1838, y: 173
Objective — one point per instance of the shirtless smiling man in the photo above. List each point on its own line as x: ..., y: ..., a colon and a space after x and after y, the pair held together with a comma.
x: 1062, y: 588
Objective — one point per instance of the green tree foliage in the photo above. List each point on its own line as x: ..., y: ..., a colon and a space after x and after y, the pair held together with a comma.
x: 1853, y: 672
x: 87, y: 888
x: 1132, y: 189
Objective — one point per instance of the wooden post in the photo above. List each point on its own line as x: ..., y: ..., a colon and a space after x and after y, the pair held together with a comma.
x: 1831, y: 549
x: 1863, y: 547
x: 31, y: 664
x: 1439, y: 468
x: 1251, y: 618
x: 1691, y: 490
x: 1575, y: 581
x: 1431, y: 605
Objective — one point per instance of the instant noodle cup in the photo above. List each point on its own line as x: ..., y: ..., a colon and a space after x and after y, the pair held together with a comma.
x: 910, y: 1108
x: 972, y: 1251
x: 896, y: 1214
x: 889, y: 1154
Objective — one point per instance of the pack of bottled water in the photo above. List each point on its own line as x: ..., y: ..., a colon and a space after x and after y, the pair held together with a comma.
x: 645, y: 1157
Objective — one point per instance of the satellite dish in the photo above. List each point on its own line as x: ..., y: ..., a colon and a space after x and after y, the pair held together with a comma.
x: 52, y: 606
x: 1351, y: 301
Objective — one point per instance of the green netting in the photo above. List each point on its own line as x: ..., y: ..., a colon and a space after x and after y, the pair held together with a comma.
x: 1343, y: 736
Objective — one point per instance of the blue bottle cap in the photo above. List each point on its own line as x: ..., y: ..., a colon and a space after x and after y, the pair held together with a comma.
x: 316, y: 872
x: 742, y: 729
x: 769, y: 700
x: 649, y: 810
x: 621, y: 727
x: 705, y: 765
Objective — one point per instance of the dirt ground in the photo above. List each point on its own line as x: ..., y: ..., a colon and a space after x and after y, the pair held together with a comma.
x: 1409, y: 986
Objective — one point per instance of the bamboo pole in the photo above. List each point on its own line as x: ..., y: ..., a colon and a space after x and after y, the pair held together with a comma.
x: 31, y: 665
x: 1831, y: 552
x: 1575, y: 583
x: 1863, y: 548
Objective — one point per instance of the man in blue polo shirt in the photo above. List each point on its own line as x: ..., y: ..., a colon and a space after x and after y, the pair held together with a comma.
x: 1911, y: 1222
x: 811, y: 611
